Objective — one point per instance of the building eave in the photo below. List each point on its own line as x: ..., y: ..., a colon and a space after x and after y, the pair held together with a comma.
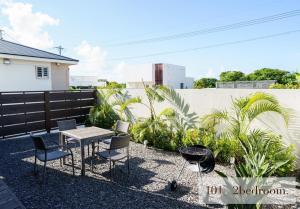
x: 39, y: 59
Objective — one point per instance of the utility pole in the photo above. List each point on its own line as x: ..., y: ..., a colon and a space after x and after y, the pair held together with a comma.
x: 1, y: 34
x: 60, y: 49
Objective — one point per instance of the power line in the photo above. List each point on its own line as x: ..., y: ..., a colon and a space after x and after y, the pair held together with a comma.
x: 208, y: 46
x: 237, y: 25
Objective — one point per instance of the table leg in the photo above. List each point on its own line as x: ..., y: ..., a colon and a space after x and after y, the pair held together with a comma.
x: 82, y: 158
x: 63, y: 142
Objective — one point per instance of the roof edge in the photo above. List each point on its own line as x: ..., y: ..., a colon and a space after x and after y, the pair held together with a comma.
x: 63, y: 57
x: 41, y: 59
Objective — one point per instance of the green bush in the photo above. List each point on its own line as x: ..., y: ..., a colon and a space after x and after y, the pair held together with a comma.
x: 102, y: 116
x: 157, y: 134
x: 226, y: 148
x: 285, y: 86
x: 278, y: 152
x: 191, y: 137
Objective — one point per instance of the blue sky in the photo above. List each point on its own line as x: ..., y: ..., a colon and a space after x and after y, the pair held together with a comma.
x: 85, y: 28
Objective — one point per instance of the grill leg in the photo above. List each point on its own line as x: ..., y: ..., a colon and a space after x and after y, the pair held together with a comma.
x: 181, y: 171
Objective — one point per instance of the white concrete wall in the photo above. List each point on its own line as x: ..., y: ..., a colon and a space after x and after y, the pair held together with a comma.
x: 137, y: 73
x: 85, y: 81
x: 60, y: 76
x: 189, y: 82
x: 204, y: 101
x: 173, y: 75
x: 20, y: 75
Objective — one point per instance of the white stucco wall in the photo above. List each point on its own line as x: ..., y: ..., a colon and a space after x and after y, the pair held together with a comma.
x: 204, y: 101
x: 59, y: 76
x: 20, y: 75
x: 173, y: 75
x: 137, y: 73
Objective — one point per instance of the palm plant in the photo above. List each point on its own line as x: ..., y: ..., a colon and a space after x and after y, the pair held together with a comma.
x: 112, y: 104
x: 238, y: 122
x: 182, y: 118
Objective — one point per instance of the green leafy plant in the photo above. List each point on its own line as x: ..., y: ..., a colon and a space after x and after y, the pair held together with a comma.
x: 205, y: 83
x: 182, y: 118
x: 232, y: 76
x: 113, y: 104
x: 237, y: 122
x: 235, y: 126
x: 285, y: 86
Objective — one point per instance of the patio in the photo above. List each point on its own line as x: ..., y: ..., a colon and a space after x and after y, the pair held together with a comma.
x: 146, y: 187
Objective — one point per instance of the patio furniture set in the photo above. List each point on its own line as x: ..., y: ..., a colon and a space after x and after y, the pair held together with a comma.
x: 109, y: 144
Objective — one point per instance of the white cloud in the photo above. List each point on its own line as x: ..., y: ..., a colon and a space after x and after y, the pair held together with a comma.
x: 91, y: 60
x: 27, y: 26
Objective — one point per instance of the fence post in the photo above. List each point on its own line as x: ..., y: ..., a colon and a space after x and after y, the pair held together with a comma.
x: 47, y: 111
x: 95, y: 96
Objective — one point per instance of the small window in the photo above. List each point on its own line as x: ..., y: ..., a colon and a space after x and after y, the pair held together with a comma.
x: 42, y: 72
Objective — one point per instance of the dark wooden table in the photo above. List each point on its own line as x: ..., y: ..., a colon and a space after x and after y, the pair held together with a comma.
x: 86, y: 136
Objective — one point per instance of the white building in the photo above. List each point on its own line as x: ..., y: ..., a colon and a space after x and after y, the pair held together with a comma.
x: 86, y: 81
x: 157, y: 74
x: 23, y: 68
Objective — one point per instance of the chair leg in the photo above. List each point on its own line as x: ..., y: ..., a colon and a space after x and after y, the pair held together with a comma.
x: 34, y: 166
x: 110, y: 167
x: 73, y: 164
x: 128, y: 167
x: 114, y: 169
x: 44, y: 173
x: 60, y: 162
x: 88, y: 150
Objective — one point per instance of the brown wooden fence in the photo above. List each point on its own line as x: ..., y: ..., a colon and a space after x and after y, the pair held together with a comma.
x: 23, y: 112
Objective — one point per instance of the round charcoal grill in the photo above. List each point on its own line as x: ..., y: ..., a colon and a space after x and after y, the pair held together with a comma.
x: 199, y: 155
x: 193, y: 154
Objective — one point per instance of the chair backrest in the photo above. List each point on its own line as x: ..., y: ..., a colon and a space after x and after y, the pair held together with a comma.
x: 119, y: 142
x: 122, y: 127
x: 64, y: 125
x: 38, y: 142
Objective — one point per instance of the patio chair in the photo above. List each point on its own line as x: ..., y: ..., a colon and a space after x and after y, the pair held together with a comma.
x: 113, y: 152
x: 65, y: 125
x: 46, y: 153
x: 120, y: 129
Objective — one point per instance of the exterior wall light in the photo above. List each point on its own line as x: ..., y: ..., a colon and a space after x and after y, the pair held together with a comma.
x: 6, y: 61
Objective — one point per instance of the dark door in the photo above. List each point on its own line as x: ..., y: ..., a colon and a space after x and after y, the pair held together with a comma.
x: 158, y: 74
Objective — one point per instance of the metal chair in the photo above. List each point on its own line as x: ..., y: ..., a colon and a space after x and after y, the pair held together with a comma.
x: 65, y: 125
x: 113, y: 152
x: 46, y: 153
x: 120, y: 129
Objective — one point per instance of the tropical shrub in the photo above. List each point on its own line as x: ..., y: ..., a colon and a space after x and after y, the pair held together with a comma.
x: 112, y: 105
x: 191, y: 137
x: 236, y: 126
x: 102, y: 116
x: 157, y: 134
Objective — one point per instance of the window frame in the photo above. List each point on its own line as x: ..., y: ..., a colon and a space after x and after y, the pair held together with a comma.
x: 43, y: 68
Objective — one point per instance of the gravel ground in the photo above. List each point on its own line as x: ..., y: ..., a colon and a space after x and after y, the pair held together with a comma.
x: 146, y: 186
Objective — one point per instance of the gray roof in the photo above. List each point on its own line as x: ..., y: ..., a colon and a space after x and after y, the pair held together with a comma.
x: 10, y: 48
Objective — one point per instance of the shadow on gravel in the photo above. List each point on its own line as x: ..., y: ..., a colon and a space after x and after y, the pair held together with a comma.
x: 62, y: 190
